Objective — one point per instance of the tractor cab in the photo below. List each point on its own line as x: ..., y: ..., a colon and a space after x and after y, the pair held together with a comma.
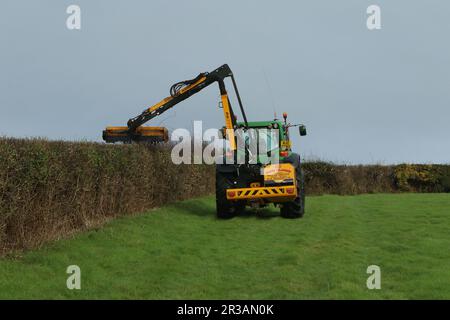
x: 268, y: 139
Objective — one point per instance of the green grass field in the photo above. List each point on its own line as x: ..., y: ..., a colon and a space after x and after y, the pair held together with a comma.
x: 182, y: 252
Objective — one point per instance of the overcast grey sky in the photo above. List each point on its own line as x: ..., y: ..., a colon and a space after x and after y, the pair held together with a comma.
x: 365, y: 96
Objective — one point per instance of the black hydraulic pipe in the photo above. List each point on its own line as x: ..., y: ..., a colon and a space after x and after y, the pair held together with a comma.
x: 239, y: 100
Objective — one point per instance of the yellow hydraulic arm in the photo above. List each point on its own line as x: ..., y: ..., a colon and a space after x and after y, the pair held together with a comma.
x: 134, y: 131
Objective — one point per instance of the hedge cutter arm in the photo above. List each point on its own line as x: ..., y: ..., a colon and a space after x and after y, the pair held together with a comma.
x: 134, y: 131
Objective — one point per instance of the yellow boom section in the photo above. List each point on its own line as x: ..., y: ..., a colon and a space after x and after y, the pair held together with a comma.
x: 163, y: 102
x: 228, y: 122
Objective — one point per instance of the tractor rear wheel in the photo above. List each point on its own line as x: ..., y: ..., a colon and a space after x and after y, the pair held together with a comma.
x: 296, y: 208
x: 225, y: 209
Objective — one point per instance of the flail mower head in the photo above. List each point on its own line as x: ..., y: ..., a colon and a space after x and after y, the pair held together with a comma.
x: 141, y: 134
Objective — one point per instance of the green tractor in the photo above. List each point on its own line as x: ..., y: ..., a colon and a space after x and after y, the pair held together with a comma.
x: 255, y: 181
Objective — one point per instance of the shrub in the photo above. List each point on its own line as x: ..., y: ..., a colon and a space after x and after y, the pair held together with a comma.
x: 50, y: 189
x: 416, y: 177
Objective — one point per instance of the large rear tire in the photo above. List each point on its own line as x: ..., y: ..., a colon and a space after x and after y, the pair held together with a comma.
x: 296, y: 209
x: 225, y: 209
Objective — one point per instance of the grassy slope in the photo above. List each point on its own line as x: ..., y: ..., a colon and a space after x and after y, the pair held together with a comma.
x: 182, y: 251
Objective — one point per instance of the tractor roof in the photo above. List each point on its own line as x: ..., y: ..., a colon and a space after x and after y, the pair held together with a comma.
x: 262, y: 124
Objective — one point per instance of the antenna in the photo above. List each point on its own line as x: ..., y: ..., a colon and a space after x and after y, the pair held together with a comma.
x: 270, y: 92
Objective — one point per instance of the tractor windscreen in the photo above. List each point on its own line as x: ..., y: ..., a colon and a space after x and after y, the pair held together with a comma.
x: 264, y: 139
x: 260, y: 144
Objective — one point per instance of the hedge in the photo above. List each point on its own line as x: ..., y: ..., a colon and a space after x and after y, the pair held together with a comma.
x: 51, y: 189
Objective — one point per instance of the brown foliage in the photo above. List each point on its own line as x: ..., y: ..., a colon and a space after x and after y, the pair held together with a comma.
x: 51, y: 189
x: 324, y: 177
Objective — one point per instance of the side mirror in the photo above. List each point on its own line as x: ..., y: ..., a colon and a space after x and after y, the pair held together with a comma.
x: 302, y: 130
